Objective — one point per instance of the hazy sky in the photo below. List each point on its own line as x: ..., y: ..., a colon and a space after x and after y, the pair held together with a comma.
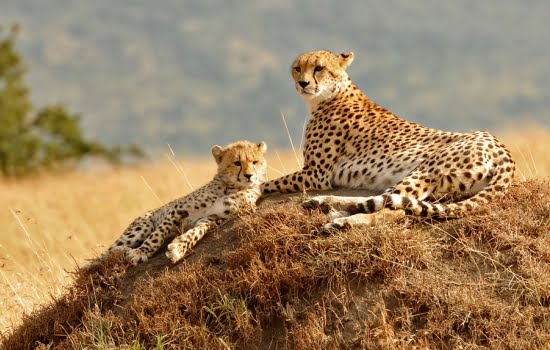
x: 195, y: 73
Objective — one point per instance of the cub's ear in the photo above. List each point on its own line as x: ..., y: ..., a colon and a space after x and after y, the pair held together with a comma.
x: 217, y: 152
x: 345, y: 59
x: 262, y: 146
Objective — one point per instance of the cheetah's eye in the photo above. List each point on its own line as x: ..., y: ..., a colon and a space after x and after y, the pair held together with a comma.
x: 318, y: 68
x: 297, y: 69
x: 237, y: 163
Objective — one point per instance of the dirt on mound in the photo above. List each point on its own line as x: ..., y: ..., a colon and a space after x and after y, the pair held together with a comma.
x: 273, y: 280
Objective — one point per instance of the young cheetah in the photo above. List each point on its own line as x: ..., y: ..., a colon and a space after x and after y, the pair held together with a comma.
x: 236, y: 185
x: 352, y: 142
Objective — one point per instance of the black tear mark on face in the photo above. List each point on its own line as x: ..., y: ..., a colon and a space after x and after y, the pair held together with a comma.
x: 239, y: 164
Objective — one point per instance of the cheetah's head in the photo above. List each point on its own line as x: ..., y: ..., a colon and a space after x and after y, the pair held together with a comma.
x: 241, y: 163
x: 318, y: 75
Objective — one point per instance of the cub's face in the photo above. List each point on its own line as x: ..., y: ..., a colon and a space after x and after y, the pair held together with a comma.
x: 241, y: 163
x: 319, y: 74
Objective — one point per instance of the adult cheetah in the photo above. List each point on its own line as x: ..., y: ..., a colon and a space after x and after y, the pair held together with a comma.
x: 352, y: 142
x: 236, y: 185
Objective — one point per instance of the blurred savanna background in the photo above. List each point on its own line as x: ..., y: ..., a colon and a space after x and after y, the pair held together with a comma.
x: 144, y: 89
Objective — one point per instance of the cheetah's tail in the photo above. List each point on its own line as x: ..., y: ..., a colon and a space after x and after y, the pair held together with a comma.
x: 499, y: 179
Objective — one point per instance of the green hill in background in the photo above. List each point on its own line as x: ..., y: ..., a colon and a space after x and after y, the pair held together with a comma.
x: 198, y: 72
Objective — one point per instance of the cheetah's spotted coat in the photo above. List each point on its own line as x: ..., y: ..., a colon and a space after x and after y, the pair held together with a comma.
x: 236, y: 185
x: 352, y: 142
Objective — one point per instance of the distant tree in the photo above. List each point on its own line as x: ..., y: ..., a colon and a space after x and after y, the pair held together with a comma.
x: 52, y: 136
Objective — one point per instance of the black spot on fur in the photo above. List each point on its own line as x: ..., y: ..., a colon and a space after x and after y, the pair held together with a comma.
x: 370, y: 205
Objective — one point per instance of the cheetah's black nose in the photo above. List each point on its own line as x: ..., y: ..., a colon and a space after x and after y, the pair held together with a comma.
x: 248, y: 176
x: 303, y: 83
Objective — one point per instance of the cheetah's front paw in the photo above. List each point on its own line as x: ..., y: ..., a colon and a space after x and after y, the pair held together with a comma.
x: 135, y: 256
x: 317, y: 202
x: 90, y: 265
x: 122, y: 248
x: 334, y: 226
x: 175, y: 252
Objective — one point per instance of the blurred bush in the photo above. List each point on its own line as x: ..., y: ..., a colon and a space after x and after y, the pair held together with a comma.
x: 51, y: 136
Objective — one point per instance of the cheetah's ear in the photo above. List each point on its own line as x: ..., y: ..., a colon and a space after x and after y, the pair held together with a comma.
x: 217, y: 152
x: 345, y: 59
x: 262, y: 146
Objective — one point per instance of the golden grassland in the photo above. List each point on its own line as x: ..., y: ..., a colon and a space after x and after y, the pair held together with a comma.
x: 51, y: 223
x: 271, y: 279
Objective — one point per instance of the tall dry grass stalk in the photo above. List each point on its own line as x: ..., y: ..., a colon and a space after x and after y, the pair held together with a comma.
x: 51, y: 223
x: 529, y: 147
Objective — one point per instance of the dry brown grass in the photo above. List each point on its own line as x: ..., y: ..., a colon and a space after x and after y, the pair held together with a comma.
x: 467, y: 276
x: 481, y: 281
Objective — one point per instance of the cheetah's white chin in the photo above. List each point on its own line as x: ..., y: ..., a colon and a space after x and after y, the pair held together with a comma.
x: 308, y: 94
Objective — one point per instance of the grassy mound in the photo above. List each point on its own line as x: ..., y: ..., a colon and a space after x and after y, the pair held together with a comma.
x: 272, y: 280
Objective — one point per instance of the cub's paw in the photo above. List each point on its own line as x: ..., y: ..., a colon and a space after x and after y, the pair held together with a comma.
x: 90, y: 265
x: 122, y: 248
x: 135, y: 256
x: 317, y: 202
x: 175, y: 252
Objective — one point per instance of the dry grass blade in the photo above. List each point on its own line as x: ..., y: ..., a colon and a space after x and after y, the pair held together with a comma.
x: 290, y: 139
x: 160, y: 202
x: 179, y: 168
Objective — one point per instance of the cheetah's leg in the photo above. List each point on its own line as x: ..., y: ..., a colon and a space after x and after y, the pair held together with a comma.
x: 183, y: 243
x: 416, y: 184
x: 224, y: 208
x: 155, y: 240
x: 305, y: 179
x: 362, y: 219
x: 342, y: 211
x: 134, y: 235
